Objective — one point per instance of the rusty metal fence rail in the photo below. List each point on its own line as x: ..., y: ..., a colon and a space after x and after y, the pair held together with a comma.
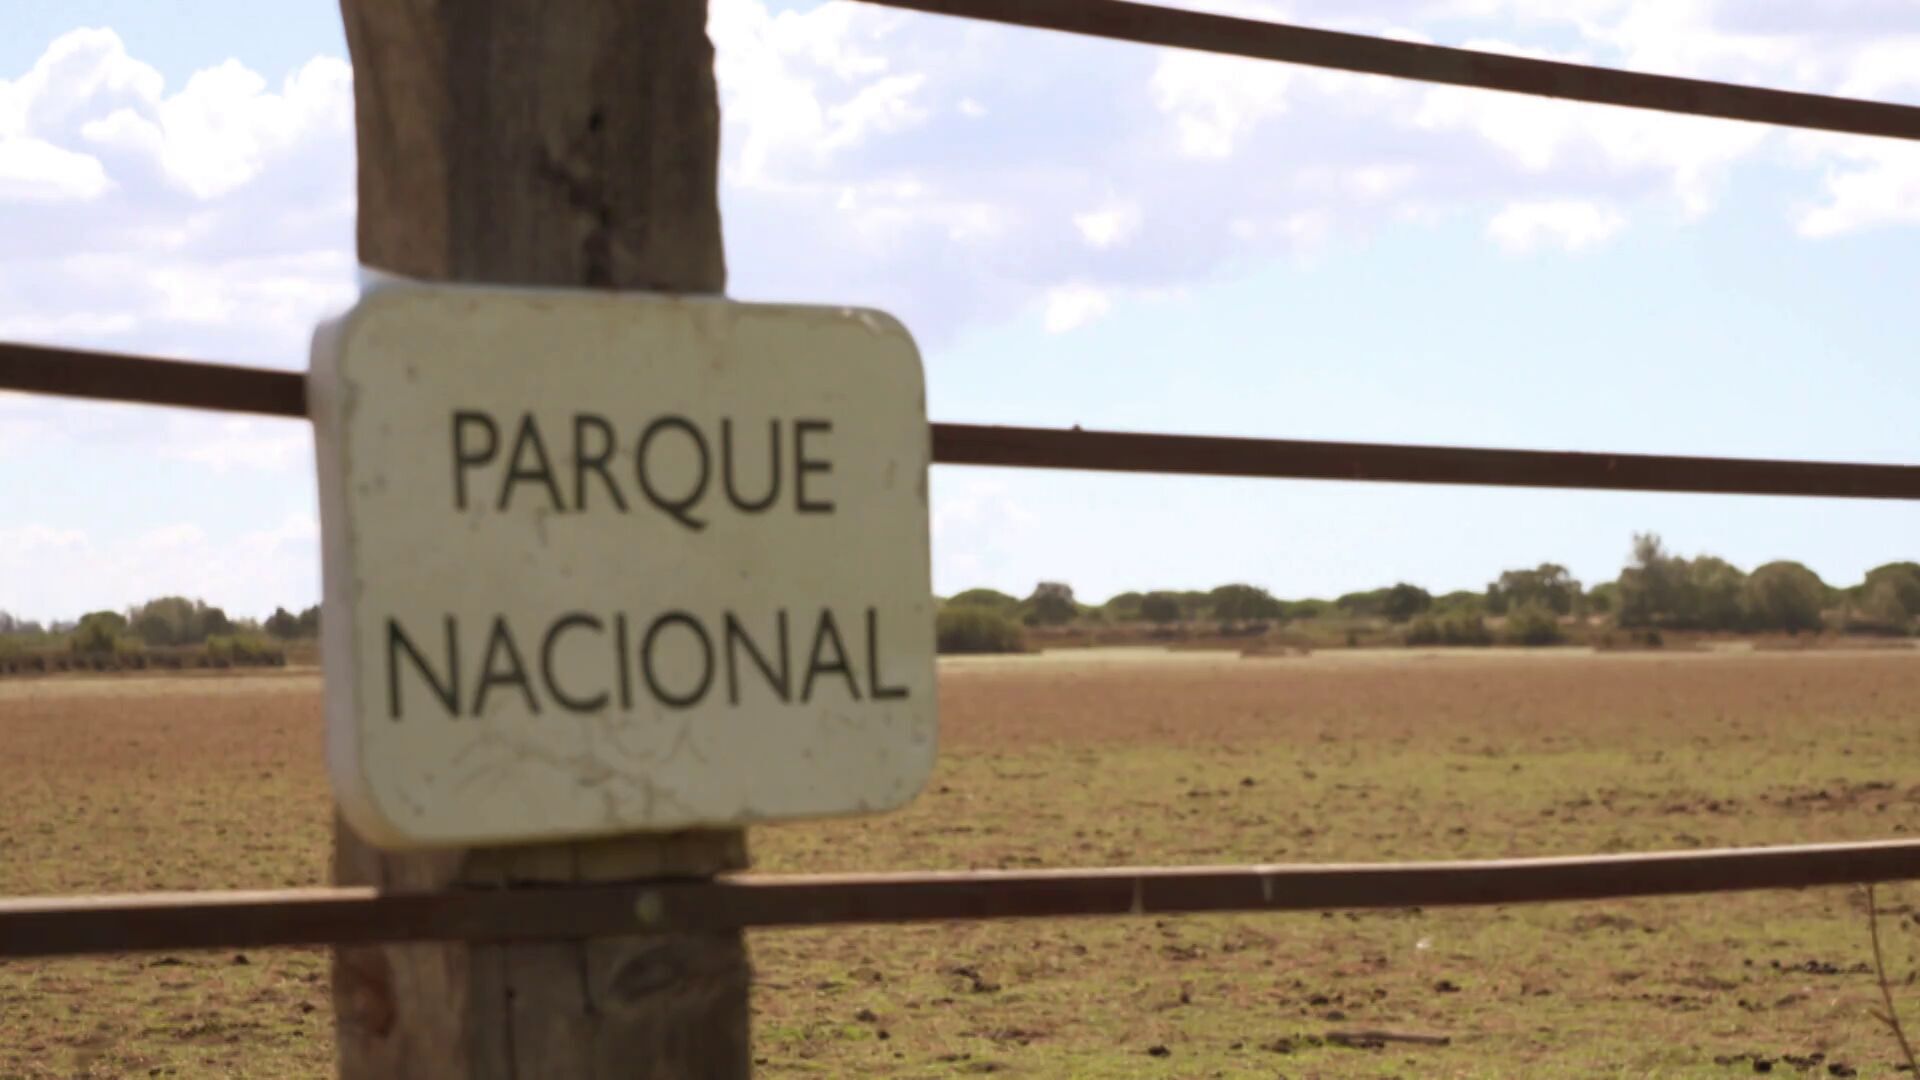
x: 269, y: 392
x: 1227, y: 35
x: 58, y: 926
x: 82, y: 925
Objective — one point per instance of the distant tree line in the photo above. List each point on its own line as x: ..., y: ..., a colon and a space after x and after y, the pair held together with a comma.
x: 1656, y: 590
x: 14, y: 626
x: 165, y: 625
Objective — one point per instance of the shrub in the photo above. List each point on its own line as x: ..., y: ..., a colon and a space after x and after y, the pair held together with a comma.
x: 1459, y: 602
x: 250, y: 650
x: 282, y: 624
x: 98, y: 632
x: 1880, y: 609
x: 1051, y: 604
x: 176, y: 620
x: 991, y: 599
x: 1615, y: 638
x: 968, y: 629
x: 1784, y: 596
x: 1160, y: 608
x: 1532, y: 625
x: 1404, y: 601
x: 1451, y: 630
x: 1242, y: 603
x: 258, y: 650
x: 1465, y: 630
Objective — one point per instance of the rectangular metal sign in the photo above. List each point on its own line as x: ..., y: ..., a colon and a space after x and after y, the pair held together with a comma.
x: 599, y: 563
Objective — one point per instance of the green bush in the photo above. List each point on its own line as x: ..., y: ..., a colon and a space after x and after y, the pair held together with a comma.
x: 1460, y: 629
x: 1784, y: 596
x: 1613, y: 638
x: 1051, y: 604
x: 248, y: 650
x: 1459, y: 602
x: 98, y: 633
x: 991, y: 599
x: 1532, y: 624
x: 1242, y: 603
x: 1160, y: 608
x: 1465, y: 630
x: 256, y: 649
x: 965, y: 628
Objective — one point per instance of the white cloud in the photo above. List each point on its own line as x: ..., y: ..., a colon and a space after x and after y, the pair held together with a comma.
x: 54, y: 572
x: 215, y: 134
x: 863, y: 138
x: 1215, y: 101
x: 981, y: 532
x: 801, y: 86
x: 80, y: 71
x: 1544, y: 136
x: 215, y: 219
x: 1886, y: 66
x: 1069, y: 307
x: 20, y: 544
x: 1879, y: 184
x: 33, y: 170
x: 883, y: 107
x: 65, y: 325
x: 236, y: 443
x: 1110, y: 225
x: 1570, y: 224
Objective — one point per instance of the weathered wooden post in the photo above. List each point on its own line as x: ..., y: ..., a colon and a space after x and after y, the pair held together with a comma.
x: 567, y: 143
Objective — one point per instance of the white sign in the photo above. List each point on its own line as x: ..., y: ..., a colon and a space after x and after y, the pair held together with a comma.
x: 601, y: 563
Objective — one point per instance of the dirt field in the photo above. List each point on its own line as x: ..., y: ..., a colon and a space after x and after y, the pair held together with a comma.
x: 177, y: 782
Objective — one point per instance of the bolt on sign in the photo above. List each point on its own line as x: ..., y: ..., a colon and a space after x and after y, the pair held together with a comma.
x: 600, y: 563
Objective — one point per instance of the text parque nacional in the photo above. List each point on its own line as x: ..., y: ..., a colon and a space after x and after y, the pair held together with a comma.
x: 679, y: 468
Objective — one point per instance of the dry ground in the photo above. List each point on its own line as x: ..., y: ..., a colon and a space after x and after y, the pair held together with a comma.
x: 122, y: 784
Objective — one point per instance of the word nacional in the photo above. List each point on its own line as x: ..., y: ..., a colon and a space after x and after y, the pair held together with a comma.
x: 726, y: 648
x: 601, y: 562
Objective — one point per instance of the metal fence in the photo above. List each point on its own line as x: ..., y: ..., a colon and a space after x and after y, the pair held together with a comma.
x: 345, y: 916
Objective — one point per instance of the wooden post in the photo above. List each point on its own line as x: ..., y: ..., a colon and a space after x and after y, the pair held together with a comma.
x: 560, y: 143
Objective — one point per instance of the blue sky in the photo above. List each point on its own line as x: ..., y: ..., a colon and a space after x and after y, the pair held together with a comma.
x: 1077, y: 232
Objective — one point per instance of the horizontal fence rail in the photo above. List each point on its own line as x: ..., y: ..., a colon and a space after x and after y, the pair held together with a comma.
x: 1151, y: 24
x: 114, y: 377
x: 66, y: 926
x: 39, y: 369
x: 964, y: 444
